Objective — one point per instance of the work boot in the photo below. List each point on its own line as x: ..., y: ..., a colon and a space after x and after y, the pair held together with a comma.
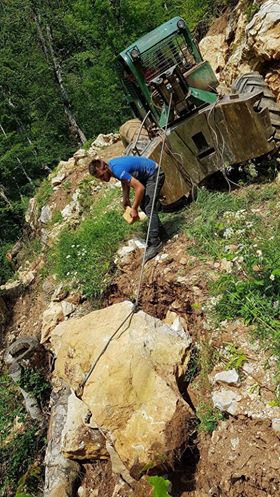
x: 153, y: 249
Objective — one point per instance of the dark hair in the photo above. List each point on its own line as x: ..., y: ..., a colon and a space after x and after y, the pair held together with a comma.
x: 93, y: 166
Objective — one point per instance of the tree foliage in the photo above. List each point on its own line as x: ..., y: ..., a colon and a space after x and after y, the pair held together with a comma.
x: 57, y: 75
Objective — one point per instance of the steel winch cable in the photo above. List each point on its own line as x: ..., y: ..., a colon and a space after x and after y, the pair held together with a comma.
x: 153, y: 206
x: 80, y: 388
x: 221, y: 151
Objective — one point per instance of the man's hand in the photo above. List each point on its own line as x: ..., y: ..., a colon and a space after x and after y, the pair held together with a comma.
x: 134, y: 214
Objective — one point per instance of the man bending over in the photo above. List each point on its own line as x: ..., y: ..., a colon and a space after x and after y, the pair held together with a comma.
x: 140, y: 174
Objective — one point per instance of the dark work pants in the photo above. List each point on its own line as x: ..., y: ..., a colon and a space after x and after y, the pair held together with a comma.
x: 146, y: 205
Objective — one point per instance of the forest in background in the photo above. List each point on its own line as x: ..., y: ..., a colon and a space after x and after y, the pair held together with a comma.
x: 59, y: 87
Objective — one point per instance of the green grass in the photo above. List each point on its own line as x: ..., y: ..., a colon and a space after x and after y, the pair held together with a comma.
x: 83, y: 257
x: 208, y: 416
x: 31, y: 249
x: 43, y: 194
x: 244, y: 229
x: 205, y: 224
x: 56, y: 218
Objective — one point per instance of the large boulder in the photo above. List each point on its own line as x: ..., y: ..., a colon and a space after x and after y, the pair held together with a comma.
x: 263, y: 32
x: 132, y: 393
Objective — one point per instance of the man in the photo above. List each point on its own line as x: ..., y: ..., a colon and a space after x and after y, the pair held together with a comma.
x: 140, y: 174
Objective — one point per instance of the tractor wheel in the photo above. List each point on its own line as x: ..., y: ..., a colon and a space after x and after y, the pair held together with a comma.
x: 253, y: 81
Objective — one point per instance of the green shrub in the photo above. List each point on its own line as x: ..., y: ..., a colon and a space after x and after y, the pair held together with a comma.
x: 33, y: 381
x: 6, y: 271
x: 18, y: 452
x: 160, y: 486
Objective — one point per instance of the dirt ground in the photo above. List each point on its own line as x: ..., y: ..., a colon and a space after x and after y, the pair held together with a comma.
x: 241, y: 459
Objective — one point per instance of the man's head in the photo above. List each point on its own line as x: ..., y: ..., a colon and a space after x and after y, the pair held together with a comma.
x: 100, y: 169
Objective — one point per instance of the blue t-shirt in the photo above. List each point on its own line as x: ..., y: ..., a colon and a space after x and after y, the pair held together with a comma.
x: 141, y: 168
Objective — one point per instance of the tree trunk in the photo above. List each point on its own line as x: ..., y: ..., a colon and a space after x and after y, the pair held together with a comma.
x: 47, y: 44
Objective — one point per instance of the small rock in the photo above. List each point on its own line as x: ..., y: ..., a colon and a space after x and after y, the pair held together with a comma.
x: 70, y: 209
x: 67, y: 308
x: 166, y: 270
x: 133, y: 244
x: 226, y: 400
x: 170, y: 317
x: 163, y: 257
x: 234, y: 443
x: 15, y: 288
x: 276, y: 424
x: 27, y: 277
x: 226, y: 265
x: 183, y: 261
x: 137, y: 243
x: 80, y: 154
x: 81, y: 492
x: 248, y: 367
x: 176, y: 304
x: 231, y: 377
x: 59, y: 294
x: 103, y: 141
x: 75, y: 298
x: 45, y: 215
x: 51, y: 317
x: 57, y: 180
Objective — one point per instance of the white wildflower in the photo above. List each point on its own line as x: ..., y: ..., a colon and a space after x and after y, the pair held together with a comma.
x: 272, y: 277
x: 259, y: 253
x: 68, y: 256
x: 228, y: 233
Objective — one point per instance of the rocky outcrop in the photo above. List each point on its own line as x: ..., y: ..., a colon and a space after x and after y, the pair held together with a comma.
x: 235, y: 46
x: 61, y: 474
x: 14, y: 288
x: 132, y: 393
x: 263, y: 32
x: 25, y: 354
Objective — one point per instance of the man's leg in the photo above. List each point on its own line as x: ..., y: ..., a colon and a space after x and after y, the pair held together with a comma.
x: 154, y: 243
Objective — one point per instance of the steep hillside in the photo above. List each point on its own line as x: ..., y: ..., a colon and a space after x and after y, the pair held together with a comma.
x: 181, y: 397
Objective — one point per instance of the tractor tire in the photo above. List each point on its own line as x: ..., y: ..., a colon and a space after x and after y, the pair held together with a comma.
x: 252, y: 81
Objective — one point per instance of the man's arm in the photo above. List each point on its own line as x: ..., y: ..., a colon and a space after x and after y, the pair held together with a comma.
x: 126, y: 189
x: 139, y: 194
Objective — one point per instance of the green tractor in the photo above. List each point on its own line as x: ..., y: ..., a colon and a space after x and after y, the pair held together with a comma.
x: 173, y: 91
